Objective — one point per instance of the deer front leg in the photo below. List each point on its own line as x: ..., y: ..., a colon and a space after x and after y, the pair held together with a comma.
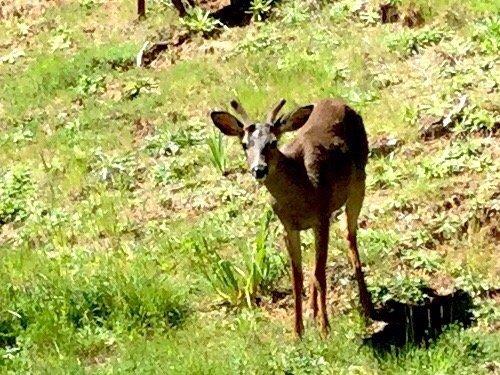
x: 292, y: 239
x: 319, y: 281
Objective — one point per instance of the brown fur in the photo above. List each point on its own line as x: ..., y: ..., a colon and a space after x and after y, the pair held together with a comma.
x: 317, y: 173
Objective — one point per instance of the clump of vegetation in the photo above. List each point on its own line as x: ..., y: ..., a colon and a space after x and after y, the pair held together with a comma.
x: 401, y: 287
x: 241, y: 284
x: 16, y: 191
x: 260, y: 9
x: 117, y: 172
x: 486, y: 32
x: 200, y: 21
x: 218, y: 155
x: 411, y: 41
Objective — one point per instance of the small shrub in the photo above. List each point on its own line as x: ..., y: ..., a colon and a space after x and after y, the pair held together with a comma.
x: 88, y: 85
x: 401, y: 287
x: 200, y: 21
x: 133, y: 88
x: 427, y: 260
x: 260, y: 8
x: 16, y: 190
x: 486, y: 32
x: 116, y: 172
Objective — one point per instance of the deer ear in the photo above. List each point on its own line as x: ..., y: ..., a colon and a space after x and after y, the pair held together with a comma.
x: 227, y: 123
x: 294, y: 120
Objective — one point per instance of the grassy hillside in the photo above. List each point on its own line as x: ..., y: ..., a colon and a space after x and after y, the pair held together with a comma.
x: 132, y: 240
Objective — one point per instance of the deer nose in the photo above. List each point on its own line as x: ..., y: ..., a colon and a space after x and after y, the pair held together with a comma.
x: 260, y: 171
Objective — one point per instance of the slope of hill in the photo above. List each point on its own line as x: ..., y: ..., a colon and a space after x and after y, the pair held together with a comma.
x: 132, y: 239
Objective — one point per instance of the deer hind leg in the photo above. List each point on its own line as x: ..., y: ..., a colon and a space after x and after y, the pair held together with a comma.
x: 321, y: 234
x: 292, y: 239
x: 313, y: 303
x: 353, y: 208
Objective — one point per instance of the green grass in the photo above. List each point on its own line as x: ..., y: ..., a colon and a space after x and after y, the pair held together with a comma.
x: 107, y: 188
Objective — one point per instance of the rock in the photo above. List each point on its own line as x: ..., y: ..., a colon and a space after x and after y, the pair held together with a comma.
x: 383, y: 146
x: 433, y: 127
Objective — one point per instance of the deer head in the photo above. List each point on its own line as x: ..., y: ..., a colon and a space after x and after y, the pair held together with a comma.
x: 259, y: 139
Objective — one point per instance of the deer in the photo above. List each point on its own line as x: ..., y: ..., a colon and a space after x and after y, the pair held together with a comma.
x: 316, y: 174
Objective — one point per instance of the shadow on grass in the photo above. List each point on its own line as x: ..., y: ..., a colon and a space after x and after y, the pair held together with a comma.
x: 419, y: 324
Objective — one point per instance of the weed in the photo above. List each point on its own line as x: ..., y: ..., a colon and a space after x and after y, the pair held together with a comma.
x: 412, y: 41
x: 260, y: 9
x: 427, y: 260
x: 296, y: 13
x: 166, y: 143
x: 200, y: 21
x: 90, y: 4
x: 376, y: 244
x: 486, y: 32
x: 241, y: 284
x: 218, y: 155
x: 386, y: 173
x: 16, y: 190
x: 118, y: 172
x: 89, y: 85
x: 401, y: 287
x: 135, y: 87
x: 455, y: 159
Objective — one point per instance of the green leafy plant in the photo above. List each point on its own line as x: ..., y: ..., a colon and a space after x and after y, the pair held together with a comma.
x: 386, y: 173
x: 455, y: 159
x: 16, y: 189
x: 145, y: 85
x: 89, y: 85
x: 412, y: 41
x: 260, y: 8
x: 200, y: 21
x: 118, y: 172
x: 166, y: 143
x: 427, y: 260
x: 90, y: 4
x: 377, y: 243
x: 296, y: 12
x: 402, y: 287
x: 263, y: 265
x: 265, y: 40
x: 240, y: 284
x: 218, y: 155
x: 486, y: 32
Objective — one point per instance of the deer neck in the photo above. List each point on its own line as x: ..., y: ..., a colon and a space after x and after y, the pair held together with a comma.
x: 286, y: 179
